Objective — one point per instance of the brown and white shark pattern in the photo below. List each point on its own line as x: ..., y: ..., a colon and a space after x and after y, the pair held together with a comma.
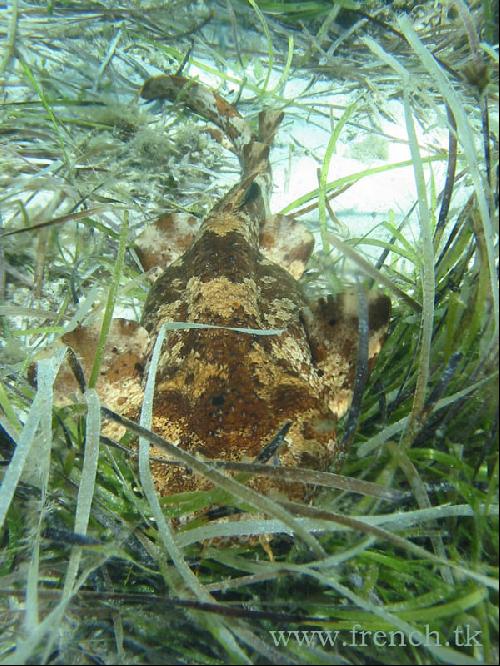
x: 223, y: 393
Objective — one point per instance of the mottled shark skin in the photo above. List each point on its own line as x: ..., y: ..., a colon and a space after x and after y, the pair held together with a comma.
x: 226, y: 394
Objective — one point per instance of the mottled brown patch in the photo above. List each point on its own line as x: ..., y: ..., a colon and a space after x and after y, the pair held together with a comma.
x: 224, y: 108
x: 161, y: 243
x: 123, y: 353
x: 225, y: 394
x: 286, y: 242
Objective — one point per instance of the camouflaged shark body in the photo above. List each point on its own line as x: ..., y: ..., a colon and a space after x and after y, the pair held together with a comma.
x: 225, y: 393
